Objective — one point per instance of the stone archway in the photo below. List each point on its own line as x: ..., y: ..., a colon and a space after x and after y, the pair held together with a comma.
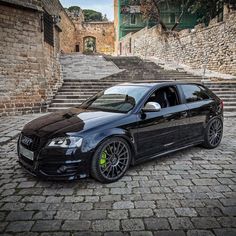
x: 89, y: 44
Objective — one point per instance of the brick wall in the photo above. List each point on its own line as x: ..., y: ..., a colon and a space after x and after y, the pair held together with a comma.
x: 213, y: 46
x: 29, y: 67
x: 67, y: 27
x: 21, y: 61
x: 31, y: 4
x: 68, y: 34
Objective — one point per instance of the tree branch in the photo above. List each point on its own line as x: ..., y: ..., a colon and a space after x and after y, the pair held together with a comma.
x: 180, y: 16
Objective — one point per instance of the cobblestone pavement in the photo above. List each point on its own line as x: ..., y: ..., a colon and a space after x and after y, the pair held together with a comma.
x: 189, y: 193
x: 11, y: 126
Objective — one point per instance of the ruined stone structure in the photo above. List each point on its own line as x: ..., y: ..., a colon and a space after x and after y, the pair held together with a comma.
x: 212, y: 47
x: 93, y: 37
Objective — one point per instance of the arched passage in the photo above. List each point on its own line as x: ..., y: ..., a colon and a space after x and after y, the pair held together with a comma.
x: 89, y: 44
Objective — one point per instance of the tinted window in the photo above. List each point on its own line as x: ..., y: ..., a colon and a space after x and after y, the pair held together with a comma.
x: 166, y: 97
x: 117, y: 98
x: 194, y: 93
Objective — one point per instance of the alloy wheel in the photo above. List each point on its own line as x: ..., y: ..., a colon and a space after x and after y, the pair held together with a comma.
x: 114, y: 160
x: 215, y: 132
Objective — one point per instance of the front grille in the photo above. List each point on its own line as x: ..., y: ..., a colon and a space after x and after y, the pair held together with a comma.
x: 34, y: 143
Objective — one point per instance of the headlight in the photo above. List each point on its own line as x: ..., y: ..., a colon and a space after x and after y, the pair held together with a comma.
x: 65, y: 142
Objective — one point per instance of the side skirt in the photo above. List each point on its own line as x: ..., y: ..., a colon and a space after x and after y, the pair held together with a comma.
x: 167, y: 152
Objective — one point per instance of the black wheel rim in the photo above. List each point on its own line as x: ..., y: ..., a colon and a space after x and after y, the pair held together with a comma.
x: 215, y: 133
x: 114, y: 160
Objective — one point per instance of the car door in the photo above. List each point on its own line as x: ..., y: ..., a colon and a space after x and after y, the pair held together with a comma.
x: 160, y: 131
x: 200, y: 106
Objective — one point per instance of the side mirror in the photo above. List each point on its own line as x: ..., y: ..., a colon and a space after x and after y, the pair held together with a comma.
x: 152, y: 107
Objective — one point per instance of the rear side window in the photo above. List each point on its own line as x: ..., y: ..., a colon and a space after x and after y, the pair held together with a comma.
x: 194, y: 93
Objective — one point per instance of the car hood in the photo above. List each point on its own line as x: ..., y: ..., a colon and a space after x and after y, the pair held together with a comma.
x: 73, y: 120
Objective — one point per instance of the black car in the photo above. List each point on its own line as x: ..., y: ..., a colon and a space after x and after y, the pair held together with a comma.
x: 121, y: 126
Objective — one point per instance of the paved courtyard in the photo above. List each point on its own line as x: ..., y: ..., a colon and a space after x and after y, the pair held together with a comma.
x: 189, y: 193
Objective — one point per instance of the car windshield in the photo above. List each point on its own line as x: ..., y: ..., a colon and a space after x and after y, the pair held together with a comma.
x: 117, y: 98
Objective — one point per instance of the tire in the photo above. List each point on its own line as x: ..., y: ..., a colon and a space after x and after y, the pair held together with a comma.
x: 213, y: 134
x: 111, y: 160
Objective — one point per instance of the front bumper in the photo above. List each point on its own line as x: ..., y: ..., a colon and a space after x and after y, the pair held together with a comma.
x: 57, y: 164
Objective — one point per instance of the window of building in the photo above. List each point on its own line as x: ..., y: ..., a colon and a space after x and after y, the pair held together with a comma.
x: 172, y: 18
x: 48, y: 29
x: 133, y: 19
x: 194, y: 93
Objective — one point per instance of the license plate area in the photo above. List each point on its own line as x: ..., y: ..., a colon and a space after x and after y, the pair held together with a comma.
x: 26, y: 153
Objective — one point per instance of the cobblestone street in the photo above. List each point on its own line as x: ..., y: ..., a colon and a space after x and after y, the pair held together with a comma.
x: 191, y: 193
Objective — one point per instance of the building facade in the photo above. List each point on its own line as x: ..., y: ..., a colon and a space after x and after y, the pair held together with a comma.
x: 93, y: 37
x: 129, y: 17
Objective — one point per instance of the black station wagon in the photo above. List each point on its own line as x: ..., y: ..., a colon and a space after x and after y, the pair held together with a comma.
x: 121, y: 126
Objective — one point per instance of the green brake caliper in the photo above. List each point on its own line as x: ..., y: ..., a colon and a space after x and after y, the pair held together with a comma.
x: 103, y: 160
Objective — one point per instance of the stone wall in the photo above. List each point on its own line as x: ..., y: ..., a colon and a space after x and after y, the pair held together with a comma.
x: 21, y: 61
x: 103, y: 32
x: 32, y: 4
x: 68, y: 34
x: 213, y: 47
x: 65, y: 25
x: 30, y: 67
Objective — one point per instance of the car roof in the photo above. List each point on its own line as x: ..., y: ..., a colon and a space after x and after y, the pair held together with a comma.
x: 160, y: 83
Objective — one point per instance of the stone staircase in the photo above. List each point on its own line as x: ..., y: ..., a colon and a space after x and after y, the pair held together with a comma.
x: 78, y: 66
x: 225, y: 90
x: 86, y: 75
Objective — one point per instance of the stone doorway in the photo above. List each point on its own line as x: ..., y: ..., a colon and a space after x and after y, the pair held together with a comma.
x: 77, y: 48
x: 89, y: 44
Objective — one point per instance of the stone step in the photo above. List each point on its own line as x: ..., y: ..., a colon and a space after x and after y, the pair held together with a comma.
x: 84, y: 94
x: 230, y: 86
x: 78, y: 96
x: 54, y: 109
x: 228, y: 99
x: 227, y: 96
x: 72, y: 101
x: 229, y: 108
x: 78, y: 89
x: 222, y: 88
x: 90, y: 82
x: 65, y: 104
x: 230, y: 104
x: 81, y: 86
x: 224, y: 92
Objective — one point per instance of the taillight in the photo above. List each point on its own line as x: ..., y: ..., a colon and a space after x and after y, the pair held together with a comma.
x: 221, y: 104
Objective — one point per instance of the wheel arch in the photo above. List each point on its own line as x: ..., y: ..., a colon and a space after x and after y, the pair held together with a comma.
x: 99, y: 138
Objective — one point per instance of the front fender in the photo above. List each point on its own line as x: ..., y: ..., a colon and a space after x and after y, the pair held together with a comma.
x: 91, y: 142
